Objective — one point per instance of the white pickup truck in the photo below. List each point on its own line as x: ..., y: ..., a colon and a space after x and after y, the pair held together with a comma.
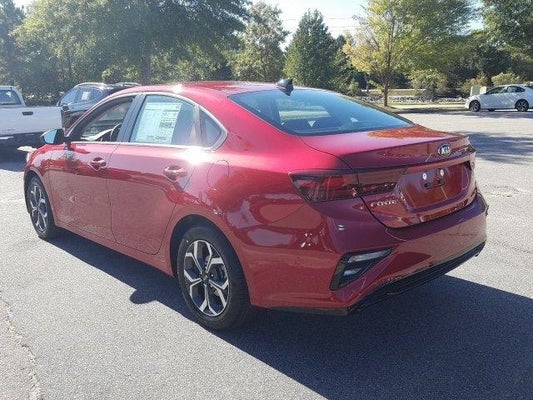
x: 21, y: 125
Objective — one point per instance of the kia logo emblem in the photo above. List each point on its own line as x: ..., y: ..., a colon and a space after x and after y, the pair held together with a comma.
x: 445, y: 150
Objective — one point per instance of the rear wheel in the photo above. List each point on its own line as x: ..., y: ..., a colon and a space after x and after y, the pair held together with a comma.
x: 474, y: 106
x: 522, y: 105
x: 40, y: 210
x: 211, y: 279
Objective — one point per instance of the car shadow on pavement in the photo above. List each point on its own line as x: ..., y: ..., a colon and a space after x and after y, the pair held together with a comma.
x: 12, y: 160
x: 449, y: 339
x: 502, y: 149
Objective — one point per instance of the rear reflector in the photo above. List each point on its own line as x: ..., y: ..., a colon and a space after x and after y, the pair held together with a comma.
x: 352, y: 266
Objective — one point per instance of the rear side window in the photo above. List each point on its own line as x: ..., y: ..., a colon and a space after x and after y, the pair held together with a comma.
x: 164, y: 120
x: 9, y: 98
x: 515, y: 89
x: 90, y: 94
x: 308, y: 112
x: 211, y: 131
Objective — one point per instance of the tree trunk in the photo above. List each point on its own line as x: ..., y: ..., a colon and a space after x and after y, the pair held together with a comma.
x: 385, y: 94
x: 145, y: 68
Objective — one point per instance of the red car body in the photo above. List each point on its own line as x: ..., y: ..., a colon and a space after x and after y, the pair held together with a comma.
x: 418, y: 212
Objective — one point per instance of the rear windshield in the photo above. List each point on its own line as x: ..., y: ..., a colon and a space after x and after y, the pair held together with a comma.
x: 308, y: 112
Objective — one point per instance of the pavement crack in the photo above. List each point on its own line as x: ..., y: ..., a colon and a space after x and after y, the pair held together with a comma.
x: 34, y: 391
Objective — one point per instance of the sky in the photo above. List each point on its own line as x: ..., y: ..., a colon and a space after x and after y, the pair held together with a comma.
x: 337, y: 13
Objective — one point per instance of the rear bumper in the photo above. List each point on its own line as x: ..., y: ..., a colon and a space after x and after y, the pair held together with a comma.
x: 418, y: 254
x: 397, y: 286
x: 416, y: 279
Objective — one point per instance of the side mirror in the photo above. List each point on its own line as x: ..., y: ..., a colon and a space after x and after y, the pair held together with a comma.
x: 54, y: 136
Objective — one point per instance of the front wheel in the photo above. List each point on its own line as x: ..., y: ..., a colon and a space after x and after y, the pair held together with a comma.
x: 474, y: 106
x: 40, y: 210
x: 522, y: 105
x: 211, y: 279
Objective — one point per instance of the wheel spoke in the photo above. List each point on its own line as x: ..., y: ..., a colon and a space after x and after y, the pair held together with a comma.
x: 219, y: 291
x: 205, y: 303
x: 214, y: 261
x: 33, y: 197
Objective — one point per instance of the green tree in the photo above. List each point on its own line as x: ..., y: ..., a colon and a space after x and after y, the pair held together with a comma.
x: 147, y: 28
x: 430, y: 81
x: 510, y: 26
x: 75, y: 40
x: 311, y: 54
x: 347, y: 80
x: 10, y: 17
x: 61, y: 44
x: 261, y: 58
x: 403, y: 35
x: 510, y: 22
x: 505, y: 78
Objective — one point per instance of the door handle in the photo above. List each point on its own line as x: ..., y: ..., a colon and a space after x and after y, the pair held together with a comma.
x: 27, y: 113
x: 98, y: 163
x: 173, y: 173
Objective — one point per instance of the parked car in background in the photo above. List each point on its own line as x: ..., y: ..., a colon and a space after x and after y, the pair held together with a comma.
x: 262, y: 195
x: 21, y: 125
x: 519, y: 97
x: 85, y: 95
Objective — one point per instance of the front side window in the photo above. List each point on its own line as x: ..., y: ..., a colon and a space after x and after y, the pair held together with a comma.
x: 164, y: 120
x: 99, y: 126
x: 308, y: 112
x: 69, y: 97
x: 496, y: 90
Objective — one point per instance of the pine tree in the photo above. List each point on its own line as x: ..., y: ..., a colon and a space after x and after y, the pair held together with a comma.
x: 311, y: 54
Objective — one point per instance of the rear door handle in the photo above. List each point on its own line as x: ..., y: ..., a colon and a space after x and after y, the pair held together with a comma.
x: 174, y: 173
x: 27, y: 112
x: 98, y: 163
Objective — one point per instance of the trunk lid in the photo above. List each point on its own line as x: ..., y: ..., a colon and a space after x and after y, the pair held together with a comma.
x: 408, y: 175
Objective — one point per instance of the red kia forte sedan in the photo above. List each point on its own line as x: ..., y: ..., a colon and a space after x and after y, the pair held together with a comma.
x: 262, y: 195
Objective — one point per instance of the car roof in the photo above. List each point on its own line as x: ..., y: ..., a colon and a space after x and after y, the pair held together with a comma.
x: 102, y: 85
x: 224, y: 88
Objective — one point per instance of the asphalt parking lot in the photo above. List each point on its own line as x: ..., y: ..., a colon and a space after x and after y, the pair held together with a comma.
x: 79, y: 321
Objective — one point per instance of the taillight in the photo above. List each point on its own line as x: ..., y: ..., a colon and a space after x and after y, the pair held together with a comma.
x: 332, y: 185
x: 326, y: 187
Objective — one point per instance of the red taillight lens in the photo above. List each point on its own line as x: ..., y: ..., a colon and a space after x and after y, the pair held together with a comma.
x: 325, y: 187
x: 332, y: 185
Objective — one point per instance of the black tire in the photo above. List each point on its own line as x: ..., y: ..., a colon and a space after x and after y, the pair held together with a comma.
x: 40, y: 210
x: 474, y: 106
x: 207, y: 264
x: 522, y: 105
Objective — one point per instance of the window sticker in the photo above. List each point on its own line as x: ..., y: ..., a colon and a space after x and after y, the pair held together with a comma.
x: 157, y: 122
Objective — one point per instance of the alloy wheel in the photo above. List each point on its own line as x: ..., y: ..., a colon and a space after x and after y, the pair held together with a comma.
x: 475, y: 106
x: 206, y: 278
x: 38, y: 208
x: 522, y: 105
